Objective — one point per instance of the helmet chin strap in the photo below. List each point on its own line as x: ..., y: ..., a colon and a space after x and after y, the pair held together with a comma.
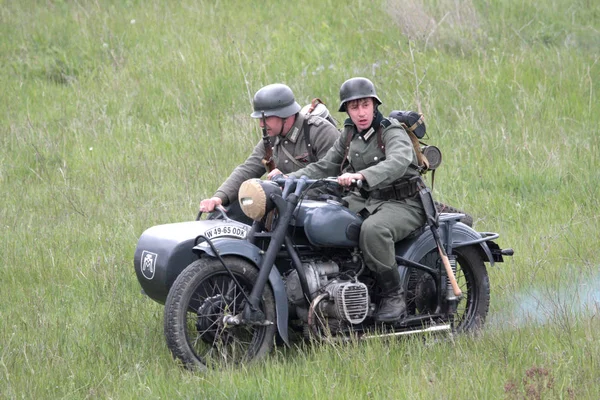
x: 283, y: 120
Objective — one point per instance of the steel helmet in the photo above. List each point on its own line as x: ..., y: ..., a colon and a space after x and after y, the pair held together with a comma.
x: 356, y: 88
x: 277, y: 100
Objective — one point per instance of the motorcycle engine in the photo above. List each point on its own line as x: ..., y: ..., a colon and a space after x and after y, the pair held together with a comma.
x: 316, y: 273
x: 347, y: 301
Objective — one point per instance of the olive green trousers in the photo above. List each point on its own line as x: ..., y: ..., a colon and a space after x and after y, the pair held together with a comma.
x: 387, y: 223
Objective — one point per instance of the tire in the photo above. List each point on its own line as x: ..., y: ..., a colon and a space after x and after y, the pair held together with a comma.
x: 197, y: 302
x: 472, y: 278
x: 445, y: 208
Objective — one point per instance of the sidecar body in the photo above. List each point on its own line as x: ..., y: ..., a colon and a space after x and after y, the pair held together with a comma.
x: 163, y: 251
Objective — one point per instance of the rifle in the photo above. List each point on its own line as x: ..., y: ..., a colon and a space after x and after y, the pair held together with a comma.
x: 267, y: 160
x: 432, y: 220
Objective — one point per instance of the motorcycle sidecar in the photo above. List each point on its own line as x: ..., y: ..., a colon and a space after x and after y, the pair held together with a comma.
x: 163, y: 251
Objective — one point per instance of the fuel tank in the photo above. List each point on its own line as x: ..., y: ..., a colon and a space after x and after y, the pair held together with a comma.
x: 328, y: 224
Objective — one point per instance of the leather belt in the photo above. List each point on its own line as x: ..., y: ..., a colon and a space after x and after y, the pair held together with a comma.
x: 399, y: 190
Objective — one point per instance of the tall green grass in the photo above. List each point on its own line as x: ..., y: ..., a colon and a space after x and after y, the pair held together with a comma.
x: 117, y: 116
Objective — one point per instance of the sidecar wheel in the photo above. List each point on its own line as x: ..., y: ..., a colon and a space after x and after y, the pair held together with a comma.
x: 201, y: 296
x: 472, y: 278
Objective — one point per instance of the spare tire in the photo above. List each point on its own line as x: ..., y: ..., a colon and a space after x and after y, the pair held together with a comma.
x: 445, y: 208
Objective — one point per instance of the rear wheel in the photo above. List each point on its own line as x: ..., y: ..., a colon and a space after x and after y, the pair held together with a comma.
x: 201, y: 297
x: 472, y: 278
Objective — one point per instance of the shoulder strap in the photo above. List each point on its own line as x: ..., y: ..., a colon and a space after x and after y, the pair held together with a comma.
x: 313, y: 104
x: 421, y: 159
x: 384, y: 124
x: 380, y: 139
x: 312, y: 157
x: 291, y: 157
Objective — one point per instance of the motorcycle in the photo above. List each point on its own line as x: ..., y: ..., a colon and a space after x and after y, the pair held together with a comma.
x: 230, y: 290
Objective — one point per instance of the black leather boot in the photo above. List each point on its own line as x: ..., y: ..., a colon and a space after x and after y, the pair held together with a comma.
x: 392, y: 307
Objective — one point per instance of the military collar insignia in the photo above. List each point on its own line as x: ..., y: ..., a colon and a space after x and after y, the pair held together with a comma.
x: 293, y: 134
x: 367, y: 135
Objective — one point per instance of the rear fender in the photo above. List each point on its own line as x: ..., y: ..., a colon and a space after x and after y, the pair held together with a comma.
x: 248, y: 251
x: 418, y: 246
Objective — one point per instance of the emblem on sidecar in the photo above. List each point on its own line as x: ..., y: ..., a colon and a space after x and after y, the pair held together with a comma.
x: 148, y: 264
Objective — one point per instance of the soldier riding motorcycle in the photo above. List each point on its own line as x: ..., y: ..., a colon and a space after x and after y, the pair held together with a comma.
x: 299, y: 268
x: 229, y: 290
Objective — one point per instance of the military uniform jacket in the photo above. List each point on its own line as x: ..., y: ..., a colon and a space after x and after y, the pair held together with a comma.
x: 365, y: 156
x: 290, y: 153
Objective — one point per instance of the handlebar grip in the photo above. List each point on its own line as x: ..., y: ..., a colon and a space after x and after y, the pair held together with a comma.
x: 357, y: 183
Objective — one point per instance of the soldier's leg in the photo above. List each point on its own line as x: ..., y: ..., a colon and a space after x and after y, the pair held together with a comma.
x: 390, y: 223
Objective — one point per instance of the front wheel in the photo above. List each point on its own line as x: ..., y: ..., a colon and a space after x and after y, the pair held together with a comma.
x: 472, y: 278
x: 199, y: 301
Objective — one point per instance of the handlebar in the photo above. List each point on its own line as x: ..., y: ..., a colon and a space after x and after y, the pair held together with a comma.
x: 298, y: 185
x: 332, y: 180
x: 220, y: 209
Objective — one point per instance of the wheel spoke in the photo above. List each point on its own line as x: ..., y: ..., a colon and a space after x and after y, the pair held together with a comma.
x: 227, y: 343
x: 471, y: 277
x: 215, y: 294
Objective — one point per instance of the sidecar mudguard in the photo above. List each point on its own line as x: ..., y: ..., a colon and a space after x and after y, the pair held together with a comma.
x: 163, y: 251
x: 415, y: 248
x: 248, y: 251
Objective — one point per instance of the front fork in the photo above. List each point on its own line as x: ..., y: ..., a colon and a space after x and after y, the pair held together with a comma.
x: 252, y: 313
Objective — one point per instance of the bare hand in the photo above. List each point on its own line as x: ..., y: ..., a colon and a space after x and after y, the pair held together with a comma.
x: 276, y: 171
x: 348, y: 178
x: 208, y: 205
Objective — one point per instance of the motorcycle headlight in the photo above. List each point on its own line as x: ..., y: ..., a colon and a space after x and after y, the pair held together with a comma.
x: 255, y: 197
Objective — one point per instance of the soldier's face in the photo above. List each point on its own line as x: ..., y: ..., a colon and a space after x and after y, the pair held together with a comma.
x: 274, y: 125
x: 361, y: 112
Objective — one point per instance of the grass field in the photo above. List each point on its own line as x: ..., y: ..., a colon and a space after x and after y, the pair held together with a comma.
x: 120, y: 115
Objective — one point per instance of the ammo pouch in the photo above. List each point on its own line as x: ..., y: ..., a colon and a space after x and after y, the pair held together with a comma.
x: 399, y: 190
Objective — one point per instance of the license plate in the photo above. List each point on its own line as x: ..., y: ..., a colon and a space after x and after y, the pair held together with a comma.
x: 236, y: 231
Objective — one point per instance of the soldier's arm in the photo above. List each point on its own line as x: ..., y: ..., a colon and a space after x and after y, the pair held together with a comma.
x: 399, y: 154
x: 251, y: 168
x: 329, y: 165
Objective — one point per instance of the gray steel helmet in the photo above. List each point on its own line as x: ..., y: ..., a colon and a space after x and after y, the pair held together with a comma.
x: 356, y: 88
x: 276, y: 99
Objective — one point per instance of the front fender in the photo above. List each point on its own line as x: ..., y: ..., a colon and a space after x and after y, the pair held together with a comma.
x: 248, y: 251
x: 462, y: 235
